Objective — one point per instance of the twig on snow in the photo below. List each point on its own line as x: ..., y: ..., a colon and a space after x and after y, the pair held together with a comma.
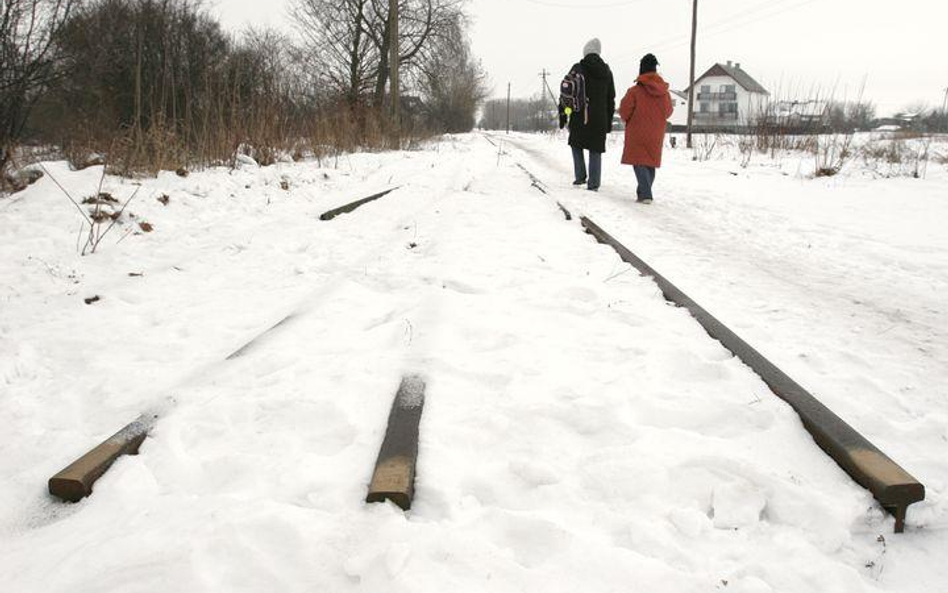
x: 68, y: 195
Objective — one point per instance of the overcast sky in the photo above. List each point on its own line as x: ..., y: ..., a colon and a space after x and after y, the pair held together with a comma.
x: 899, y: 49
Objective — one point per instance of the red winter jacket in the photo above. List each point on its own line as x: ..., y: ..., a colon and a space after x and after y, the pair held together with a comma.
x: 645, y: 109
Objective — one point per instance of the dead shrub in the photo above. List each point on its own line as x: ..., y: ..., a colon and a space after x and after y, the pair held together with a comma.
x: 833, y: 151
x: 704, y: 146
x: 899, y: 156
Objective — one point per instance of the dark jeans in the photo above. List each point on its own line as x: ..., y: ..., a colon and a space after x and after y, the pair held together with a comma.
x: 646, y: 177
x: 595, y: 167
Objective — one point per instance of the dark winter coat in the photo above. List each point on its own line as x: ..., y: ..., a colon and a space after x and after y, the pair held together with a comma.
x: 601, y: 98
x: 645, y: 109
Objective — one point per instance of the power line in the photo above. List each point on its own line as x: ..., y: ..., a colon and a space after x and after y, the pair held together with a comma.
x: 722, y: 26
x: 583, y: 6
x: 546, y: 86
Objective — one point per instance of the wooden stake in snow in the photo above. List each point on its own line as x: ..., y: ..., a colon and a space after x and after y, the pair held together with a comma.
x: 394, y: 477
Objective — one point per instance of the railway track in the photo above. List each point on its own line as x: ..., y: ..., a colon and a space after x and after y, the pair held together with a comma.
x: 76, y: 480
x: 393, y: 478
x: 891, y: 485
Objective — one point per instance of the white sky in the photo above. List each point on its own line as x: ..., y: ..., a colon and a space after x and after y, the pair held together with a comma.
x: 900, y: 49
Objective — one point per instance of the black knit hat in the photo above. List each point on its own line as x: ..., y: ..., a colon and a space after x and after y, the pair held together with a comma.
x: 648, y: 63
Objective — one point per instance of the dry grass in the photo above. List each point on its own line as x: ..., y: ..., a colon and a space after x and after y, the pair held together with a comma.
x: 903, y: 155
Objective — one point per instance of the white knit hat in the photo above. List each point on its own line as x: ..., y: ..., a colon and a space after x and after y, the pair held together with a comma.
x: 593, y: 46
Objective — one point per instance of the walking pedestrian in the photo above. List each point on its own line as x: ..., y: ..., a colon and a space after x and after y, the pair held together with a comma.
x: 587, y: 102
x: 645, y: 109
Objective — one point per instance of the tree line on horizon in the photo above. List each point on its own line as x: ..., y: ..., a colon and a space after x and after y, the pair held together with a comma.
x: 149, y: 85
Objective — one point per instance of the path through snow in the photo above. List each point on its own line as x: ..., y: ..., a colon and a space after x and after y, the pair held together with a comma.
x: 579, y: 433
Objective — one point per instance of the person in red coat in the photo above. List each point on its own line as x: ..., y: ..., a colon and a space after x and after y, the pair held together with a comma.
x: 645, y: 109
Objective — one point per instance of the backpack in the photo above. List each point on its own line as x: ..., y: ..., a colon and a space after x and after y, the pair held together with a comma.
x: 573, y: 94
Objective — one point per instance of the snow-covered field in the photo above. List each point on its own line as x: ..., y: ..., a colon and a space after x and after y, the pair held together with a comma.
x: 579, y: 434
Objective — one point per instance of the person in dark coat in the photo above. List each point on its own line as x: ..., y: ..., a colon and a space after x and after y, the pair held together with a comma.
x: 589, y: 132
x: 645, y: 109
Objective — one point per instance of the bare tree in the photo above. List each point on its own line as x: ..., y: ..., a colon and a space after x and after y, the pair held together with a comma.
x: 151, y: 85
x: 337, y: 49
x: 421, y: 25
x: 28, y: 61
x: 453, y: 84
x: 526, y: 115
x: 862, y: 114
x: 850, y: 115
x: 348, y: 41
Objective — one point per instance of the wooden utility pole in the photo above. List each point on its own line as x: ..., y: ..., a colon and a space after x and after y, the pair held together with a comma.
x: 546, y: 86
x: 691, y: 85
x: 944, y: 110
x: 508, y: 107
x: 393, y: 70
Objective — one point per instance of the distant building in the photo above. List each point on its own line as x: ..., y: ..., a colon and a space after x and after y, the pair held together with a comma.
x: 679, y: 118
x: 727, y: 97
x: 900, y: 122
x: 806, y: 115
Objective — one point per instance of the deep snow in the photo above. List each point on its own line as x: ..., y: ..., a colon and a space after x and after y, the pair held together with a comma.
x: 579, y: 433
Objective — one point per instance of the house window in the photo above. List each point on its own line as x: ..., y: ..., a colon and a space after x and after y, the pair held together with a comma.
x: 706, y: 88
x: 729, y: 107
x: 704, y: 108
x: 728, y: 88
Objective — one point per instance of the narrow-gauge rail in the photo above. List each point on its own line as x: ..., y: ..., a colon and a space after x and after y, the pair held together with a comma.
x: 394, y: 474
x: 893, y: 487
x: 541, y: 187
x: 346, y: 208
x: 76, y: 481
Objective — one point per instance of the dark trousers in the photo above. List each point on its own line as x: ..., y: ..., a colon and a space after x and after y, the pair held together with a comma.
x: 595, y: 167
x: 646, y: 177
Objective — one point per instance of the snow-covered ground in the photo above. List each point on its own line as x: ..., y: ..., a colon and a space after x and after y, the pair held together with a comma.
x: 579, y: 434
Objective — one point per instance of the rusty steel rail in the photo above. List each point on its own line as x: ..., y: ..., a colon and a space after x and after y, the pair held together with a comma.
x: 892, y: 486
x: 253, y: 342
x: 534, y: 180
x: 330, y: 214
x: 75, y: 482
x: 541, y: 187
x: 394, y: 475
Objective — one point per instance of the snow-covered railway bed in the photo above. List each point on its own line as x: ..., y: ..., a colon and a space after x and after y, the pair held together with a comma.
x: 232, y: 256
x: 76, y: 481
x: 893, y: 487
x: 578, y: 432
